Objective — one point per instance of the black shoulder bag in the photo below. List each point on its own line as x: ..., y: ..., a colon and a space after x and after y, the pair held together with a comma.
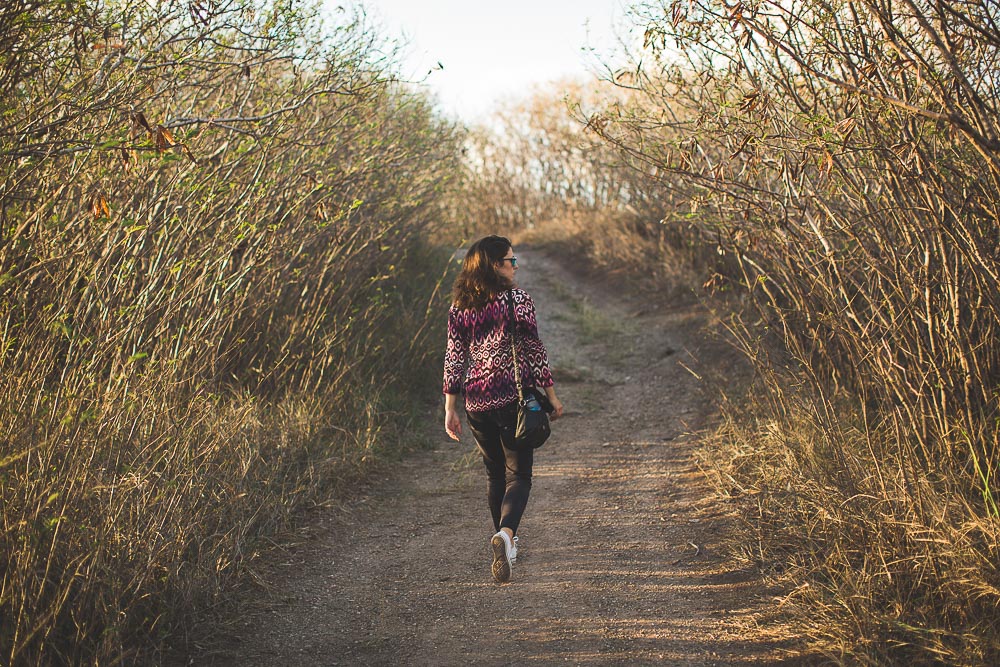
x: 532, y: 428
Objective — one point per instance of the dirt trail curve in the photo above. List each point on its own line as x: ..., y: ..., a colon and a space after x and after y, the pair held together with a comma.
x: 624, y: 557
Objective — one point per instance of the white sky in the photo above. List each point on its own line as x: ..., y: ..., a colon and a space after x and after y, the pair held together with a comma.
x: 493, y: 50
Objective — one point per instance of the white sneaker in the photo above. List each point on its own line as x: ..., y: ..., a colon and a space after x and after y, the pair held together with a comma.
x: 504, y: 554
x: 513, y: 554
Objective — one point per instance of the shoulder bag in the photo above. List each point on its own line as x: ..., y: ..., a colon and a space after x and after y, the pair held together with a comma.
x: 532, y: 428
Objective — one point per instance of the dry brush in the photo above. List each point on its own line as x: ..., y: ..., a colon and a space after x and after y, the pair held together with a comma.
x: 844, y: 156
x: 213, y: 283
x: 836, y: 166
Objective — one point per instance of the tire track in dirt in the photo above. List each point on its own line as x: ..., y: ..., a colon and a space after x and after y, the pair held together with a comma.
x: 624, y: 556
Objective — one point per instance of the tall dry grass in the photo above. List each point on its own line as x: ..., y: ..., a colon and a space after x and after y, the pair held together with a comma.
x: 881, y: 564
x: 841, y: 163
x: 844, y: 156
x: 214, y: 294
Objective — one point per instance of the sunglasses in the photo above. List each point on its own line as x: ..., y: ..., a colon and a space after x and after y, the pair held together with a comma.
x: 512, y: 260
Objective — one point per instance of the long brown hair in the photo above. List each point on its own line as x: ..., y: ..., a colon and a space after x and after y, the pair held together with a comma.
x: 479, y: 281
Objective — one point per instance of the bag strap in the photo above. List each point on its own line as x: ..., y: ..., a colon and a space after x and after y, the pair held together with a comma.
x: 513, y: 346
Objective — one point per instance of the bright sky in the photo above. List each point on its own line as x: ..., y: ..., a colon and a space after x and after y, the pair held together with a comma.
x: 493, y: 50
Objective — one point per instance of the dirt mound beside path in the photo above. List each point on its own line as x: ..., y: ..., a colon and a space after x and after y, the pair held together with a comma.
x: 625, y: 553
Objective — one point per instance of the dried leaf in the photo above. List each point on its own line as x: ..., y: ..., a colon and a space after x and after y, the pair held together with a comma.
x: 827, y: 166
x: 845, y: 127
x: 736, y: 14
x: 140, y: 120
x: 743, y: 144
x: 79, y: 38
x: 99, y: 206
x: 187, y: 151
x: 678, y: 14
x: 597, y: 123
x: 163, y: 138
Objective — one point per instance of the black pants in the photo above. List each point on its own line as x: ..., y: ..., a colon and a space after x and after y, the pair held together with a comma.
x: 508, y: 472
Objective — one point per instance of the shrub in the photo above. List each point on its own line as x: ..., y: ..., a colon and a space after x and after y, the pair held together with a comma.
x: 212, y: 265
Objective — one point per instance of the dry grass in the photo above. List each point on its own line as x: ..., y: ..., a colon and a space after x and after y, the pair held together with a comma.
x: 834, y: 167
x: 205, y: 326
x: 841, y: 156
x: 884, y: 561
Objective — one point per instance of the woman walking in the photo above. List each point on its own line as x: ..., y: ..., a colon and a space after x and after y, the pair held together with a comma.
x: 479, y: 364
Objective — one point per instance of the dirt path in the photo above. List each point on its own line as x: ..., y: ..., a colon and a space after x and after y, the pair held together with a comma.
x: 623, y: 557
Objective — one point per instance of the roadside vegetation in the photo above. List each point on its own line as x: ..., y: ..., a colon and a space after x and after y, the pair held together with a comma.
x: 218, y: 276
x: 215, y: 281
x: 833, y: 170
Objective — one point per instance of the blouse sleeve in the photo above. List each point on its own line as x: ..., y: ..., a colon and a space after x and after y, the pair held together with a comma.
x: 454, y: 356
x: 531, y: 345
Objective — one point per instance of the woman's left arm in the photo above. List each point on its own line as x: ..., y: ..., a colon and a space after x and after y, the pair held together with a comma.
x: 452, y: 422
x: 455, y: 359
x: 557, y: 406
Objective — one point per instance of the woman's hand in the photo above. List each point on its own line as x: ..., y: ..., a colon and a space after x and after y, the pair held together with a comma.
x: 452, y: 423
x: 557, y: 406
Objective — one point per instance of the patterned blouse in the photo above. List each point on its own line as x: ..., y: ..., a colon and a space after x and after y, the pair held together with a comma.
x: 478, y: 361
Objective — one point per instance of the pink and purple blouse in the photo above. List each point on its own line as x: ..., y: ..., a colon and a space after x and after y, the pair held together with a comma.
x: 478, y: 361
